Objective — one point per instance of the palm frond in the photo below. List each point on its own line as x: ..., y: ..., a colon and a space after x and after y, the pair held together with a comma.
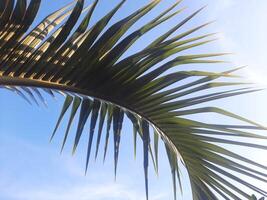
x: 88, y: 65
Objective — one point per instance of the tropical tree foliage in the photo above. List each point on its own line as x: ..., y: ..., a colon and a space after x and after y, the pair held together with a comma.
x: 87, y: 63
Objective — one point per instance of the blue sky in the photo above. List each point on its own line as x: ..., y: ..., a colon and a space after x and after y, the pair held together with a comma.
x: 32, y: 168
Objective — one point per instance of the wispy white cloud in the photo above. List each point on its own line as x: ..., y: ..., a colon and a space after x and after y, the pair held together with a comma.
x: 105, y: 191
x: 61, y: 177
x: 81, y: 192
x: 243, y: 32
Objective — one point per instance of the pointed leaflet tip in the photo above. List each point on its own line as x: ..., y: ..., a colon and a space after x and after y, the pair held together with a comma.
x: 235, y: 69
x: 66, y: 105
x: 135, y: 140
x: 95, y: 111
x: 84, y: 114
x: 50, y: 92
x: 75, y: 106
x: 156, y: 148
x: 136, y: 129
x: 109, y: 121
x: 146, y: 142
x: 163, y: 37
x: 40, y: 96
x: 153, y: 159
x: 84, y: 24
x: 118, y: 116
x: 21, y: 94
x: 167, y: 11
x: 178, y: 172
x: 28, y: 91
x: 173, y: 165
x: 103, y: 114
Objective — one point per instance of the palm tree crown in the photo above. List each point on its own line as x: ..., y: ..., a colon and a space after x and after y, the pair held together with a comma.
x: 86, y: 64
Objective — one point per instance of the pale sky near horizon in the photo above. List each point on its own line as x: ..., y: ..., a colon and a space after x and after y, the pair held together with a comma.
x: 32, y: 169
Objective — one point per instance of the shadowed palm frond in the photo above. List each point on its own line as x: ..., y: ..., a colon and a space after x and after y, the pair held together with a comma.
x: 87, y: 64
x: 253, y: 197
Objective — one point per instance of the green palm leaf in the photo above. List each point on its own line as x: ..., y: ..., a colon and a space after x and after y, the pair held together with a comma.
x: 88, y: 65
